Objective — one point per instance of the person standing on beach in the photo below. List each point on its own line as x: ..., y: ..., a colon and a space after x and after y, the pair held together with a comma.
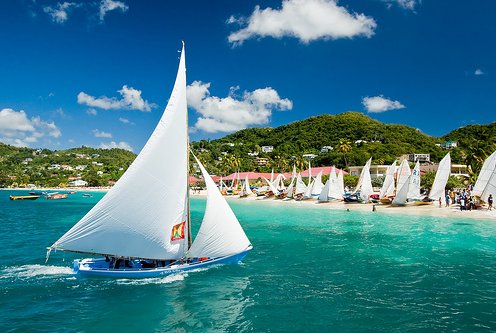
x: 490, y: 202
x: 448, y: 200
x: 440, y: 203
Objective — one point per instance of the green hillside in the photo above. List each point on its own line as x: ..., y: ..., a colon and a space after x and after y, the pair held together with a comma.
x: 243, y: 150
x: 384, y: 143
x: 43, y: 167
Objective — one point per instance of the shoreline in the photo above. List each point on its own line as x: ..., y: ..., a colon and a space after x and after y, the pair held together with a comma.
x: 428, y: 210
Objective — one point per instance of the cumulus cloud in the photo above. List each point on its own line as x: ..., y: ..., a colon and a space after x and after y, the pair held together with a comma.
x: 306, y: 20
x: 18, y: 130
x: 131, y: 100
x: 91, y: 112
x: 101, y: 134
x: 110, y: 5
x: 113, y: 144
x: 232, y: 113
x: 60, y: 12
x: 379, y: 104
x: 479, y: 72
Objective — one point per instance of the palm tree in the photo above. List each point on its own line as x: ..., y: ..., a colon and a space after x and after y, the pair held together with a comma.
x: 344, y: 147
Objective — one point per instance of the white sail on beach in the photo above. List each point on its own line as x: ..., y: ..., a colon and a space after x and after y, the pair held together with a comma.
x: 403, y: 173
x: 324, y: 194
x: 485, y: 175
x: 341, y: 184
x: 317, y: 186
x: 402, y: 194
x: 442, y: 175
x: 490, y: 187
x: 414, y: 183
x: 387, y: 188
x: 364, y: 185
x: 300, y: 187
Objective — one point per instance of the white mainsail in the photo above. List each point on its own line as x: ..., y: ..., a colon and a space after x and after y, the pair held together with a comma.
x: 136, y: 217
x: 387, y: 188
x: 490, y: 187
x: 442, y: 175
x: 300, y: 185
x: 324, y: 194
x: 403, y: 173
x: 365, y: 182
x: 485, y: 175
x: 414, y: 183
x: 402, y: 194
x: 290, y: 189
x: 308, y: 191
x: 341, y: 184
x: 220, y: 233
x: 335, y: 190
x: 317, y: 185
x: 271, y: 186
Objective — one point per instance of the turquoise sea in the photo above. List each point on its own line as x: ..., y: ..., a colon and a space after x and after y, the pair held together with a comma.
x: 311, y: 270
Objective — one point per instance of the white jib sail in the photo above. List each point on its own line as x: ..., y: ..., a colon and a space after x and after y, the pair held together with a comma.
x: 335, y: 189
x: 403, y: 174
x: 442, y: 175
x: 402, y: 195
x: 300, y: 185
x: 414, y: 183
x: 485, y: 174
x: 317, y: 186
x: 308, y: 192
x: 387, y: 188
x: 324, y: 194
x: 290, y: 189
x: 490, y: 187
x: 365, y: 182
x: 136, y: 217
x: 271, y: 186
x: 220, y: 233
x: 341, y: 183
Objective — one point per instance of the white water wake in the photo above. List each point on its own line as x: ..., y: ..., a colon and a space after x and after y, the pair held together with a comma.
x: 29, y: 271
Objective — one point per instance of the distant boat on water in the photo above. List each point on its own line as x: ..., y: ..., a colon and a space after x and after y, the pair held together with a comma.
x: 57, y: 196
x: 24, y: 197
x: 37, y: 193
x: 87, y: 195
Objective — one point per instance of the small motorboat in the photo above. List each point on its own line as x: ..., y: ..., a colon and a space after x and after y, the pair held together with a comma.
x: 57, y: 196
x: 87, y: 195
x: 24, y: 197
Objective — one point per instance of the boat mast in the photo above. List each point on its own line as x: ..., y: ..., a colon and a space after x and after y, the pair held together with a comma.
x: 188, y: 221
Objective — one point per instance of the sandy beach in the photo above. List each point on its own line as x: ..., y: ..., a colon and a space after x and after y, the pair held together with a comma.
x: 426, y: 210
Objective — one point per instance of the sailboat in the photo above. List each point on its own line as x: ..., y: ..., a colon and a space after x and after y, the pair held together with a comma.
x: 142, y: 226
x: 387, y: 189
x: 486, y: 181
x: 364, y: 186
x: 440, y: 180
x: 410, y: 190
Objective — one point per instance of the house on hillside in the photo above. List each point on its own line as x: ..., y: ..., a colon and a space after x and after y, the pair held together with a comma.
x: 449, y: 144
x: 326, y: 149
x: 78, y: 183
x: 267, y: 149
x: 261, y: 161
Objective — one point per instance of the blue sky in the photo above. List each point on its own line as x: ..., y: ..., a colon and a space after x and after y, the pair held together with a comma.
x: 99, y: 73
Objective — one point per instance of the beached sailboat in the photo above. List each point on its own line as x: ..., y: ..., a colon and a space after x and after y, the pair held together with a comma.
x: 300, y: 188
x: 486, y: 181
x: 363, y: 189
x: 438, y: 186
x: 143, y: 224
x: 387, y: 189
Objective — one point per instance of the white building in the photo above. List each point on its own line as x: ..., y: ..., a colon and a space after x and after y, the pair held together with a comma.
x: 78, y: 183
x: 267, y: 149
x: 326, y: 149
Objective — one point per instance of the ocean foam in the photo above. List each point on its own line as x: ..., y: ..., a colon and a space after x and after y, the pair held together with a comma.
x: 29, y: 271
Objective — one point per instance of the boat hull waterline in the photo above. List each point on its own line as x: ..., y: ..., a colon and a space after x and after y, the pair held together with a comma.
x: 100, y: 267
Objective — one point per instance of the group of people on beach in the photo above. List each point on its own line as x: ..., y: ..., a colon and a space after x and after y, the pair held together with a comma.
x: 465, y: 199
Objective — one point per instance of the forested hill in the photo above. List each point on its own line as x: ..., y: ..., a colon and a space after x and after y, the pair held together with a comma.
x: 383, y: 142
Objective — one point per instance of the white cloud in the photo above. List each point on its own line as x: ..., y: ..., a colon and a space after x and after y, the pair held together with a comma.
x: 91, y: 112
x: 60, y: 12
x: 110, y: 5
x: 101, y: 134
x: 405, y: 4
x: 379, y: 104
x: 131, y: 100
x: 113, y: 144
x: 307, y: 20
x: 126, y: 121
x: 18, y: 130
x: 231, y: 113
x: 479, y: 72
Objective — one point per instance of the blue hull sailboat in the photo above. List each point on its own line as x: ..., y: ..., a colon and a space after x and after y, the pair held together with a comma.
x: 141, y: 228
